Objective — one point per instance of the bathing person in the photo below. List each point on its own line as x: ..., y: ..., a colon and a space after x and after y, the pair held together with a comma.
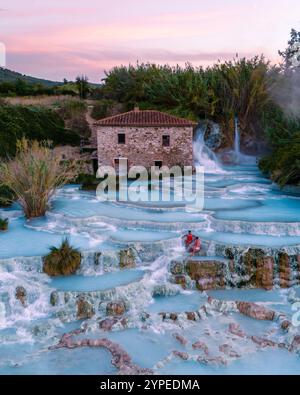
x: 188, y: 239
x: 196, y: 247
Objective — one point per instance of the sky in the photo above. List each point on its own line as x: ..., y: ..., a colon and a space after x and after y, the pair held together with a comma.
x: 62, y: 38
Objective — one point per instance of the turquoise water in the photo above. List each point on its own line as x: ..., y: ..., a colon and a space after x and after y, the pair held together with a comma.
x: 241, y: 208
x: 250, y: 239
x: 189, y: 301
x: 96, y: 283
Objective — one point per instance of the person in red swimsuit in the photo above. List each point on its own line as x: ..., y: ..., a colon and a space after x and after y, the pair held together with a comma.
x: 188, y: 239
x: 196, y: 247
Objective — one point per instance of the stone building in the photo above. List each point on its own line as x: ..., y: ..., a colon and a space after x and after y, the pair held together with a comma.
x: 145, y: 138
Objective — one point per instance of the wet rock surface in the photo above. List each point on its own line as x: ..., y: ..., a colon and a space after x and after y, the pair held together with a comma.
x: 255, y: 267
x: 256, y: 311
x: 120, y: 358
x: 127, y: 258
x: 115, y: 308
x: 85, y: 310
x: 285, y: 272
x: 207, y: 274
x: 21, y: 295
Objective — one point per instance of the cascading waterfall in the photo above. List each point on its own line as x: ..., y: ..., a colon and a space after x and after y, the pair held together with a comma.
x: 240, y: 158
x: 237, y: 141
x: 203, y: 155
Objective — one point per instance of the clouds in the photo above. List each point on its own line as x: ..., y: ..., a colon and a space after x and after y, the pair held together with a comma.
x: 94, y: 63
x: 63, y: 38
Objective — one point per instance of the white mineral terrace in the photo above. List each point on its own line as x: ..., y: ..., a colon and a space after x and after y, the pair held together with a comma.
x: 158, y: 314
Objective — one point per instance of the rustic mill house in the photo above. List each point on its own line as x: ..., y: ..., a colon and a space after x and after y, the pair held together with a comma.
x: 145, y: 138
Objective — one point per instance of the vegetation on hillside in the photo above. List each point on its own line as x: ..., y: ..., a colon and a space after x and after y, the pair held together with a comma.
x: 34, y: 174
x: 16, y: 84
x: 34, y: 123
x: 12, y: 76
x: 283, y: 124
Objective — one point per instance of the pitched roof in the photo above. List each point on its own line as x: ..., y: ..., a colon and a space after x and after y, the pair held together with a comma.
x: 144, y: 118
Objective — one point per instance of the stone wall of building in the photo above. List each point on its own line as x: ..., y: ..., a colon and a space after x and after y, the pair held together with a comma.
x: 143, y: 146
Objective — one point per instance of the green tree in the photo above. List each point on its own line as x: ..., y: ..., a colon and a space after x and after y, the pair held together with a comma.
x: 291, y: 55
x: 83, y: 87
x: 21, y: 87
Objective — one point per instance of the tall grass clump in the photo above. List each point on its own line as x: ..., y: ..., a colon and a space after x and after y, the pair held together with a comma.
x: 62, y: 261
x: 3, y: 224
x: 34, y: 175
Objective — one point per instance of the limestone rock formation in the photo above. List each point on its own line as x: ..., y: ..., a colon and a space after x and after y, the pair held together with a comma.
x: 207, y: 274
x: 285, y: 271
x: 54, y: 298
x: 201, y: 346
x: 182, y: 340
x: 256, y: 311
x: 21, y: 295
x: 84, y: 309
x: 115, y: 308
x: 127, y: 258
x: 229, y: 351
x: 120, y: 358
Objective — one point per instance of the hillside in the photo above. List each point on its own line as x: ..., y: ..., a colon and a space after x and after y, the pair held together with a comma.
x: 11, y: 76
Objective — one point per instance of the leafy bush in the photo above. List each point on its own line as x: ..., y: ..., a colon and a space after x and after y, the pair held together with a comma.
x: 69, y: 109
x: 283, y: 135
x: 283, y: 165
x: 103, y: 108
x: 73, y: 113
x: 33, y: 123
x: 62, y: 261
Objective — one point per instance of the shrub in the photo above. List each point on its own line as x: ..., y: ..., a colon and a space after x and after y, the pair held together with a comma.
x: 103, y: 108
x: 3, y: 224
x: 33, y: 123
x: 6, y: 196
x: 34, y: 174
x: 62, y: 261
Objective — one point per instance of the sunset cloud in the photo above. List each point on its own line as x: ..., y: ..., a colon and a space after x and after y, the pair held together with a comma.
x: 64, y: 38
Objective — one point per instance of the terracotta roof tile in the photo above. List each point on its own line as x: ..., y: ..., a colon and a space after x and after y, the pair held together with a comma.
x: 145, y: 118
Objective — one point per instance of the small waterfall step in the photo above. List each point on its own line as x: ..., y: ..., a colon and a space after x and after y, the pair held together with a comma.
x: 202, y: 272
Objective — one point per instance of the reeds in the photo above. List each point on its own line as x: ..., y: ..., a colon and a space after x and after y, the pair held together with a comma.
x: 34, y: 175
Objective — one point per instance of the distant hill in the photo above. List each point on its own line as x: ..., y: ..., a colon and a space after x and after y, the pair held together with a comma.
x: 11, y: 76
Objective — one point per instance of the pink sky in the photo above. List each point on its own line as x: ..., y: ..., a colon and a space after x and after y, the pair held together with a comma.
x: 63, y: 38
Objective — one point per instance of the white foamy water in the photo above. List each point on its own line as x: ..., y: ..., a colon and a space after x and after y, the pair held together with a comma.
x: 203, y: 155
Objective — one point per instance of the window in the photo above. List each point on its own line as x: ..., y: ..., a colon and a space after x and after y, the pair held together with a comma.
x: 166, y: 140
x: 158, y: 163
x: 121, y: 138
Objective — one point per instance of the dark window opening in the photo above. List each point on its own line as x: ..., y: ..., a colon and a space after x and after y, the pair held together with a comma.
x: 166, y: 140
x: 95, y: 165
x: 121, y: 138
x: 158, y: 163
